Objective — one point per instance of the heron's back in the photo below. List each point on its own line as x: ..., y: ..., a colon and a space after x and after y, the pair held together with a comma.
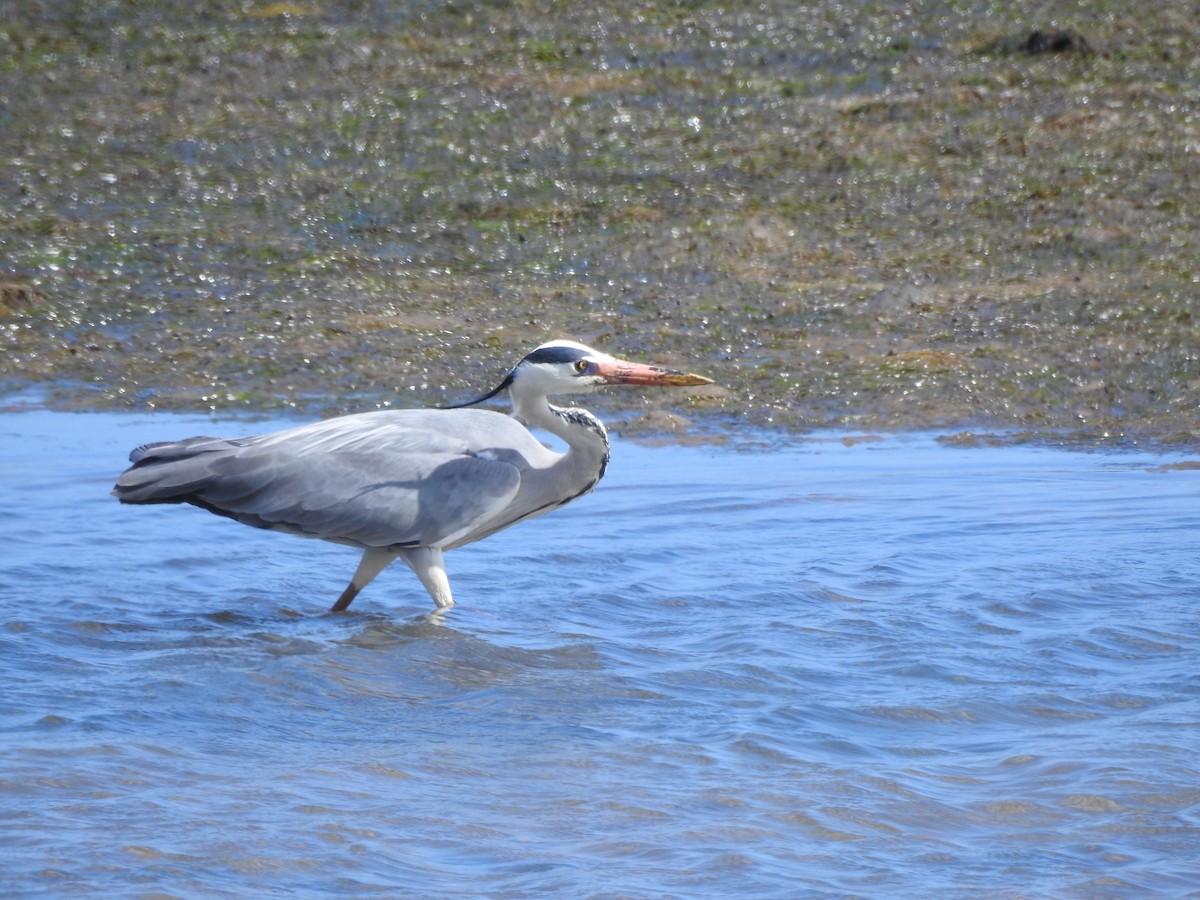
x: 397, y: 478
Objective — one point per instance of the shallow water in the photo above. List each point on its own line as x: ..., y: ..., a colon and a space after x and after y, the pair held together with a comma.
x: 876, y: 668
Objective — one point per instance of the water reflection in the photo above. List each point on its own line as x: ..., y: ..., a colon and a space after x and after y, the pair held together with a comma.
x: 872, y: 670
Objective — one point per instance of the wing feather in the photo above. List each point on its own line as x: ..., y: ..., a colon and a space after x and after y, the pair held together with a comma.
x: 374, y: 480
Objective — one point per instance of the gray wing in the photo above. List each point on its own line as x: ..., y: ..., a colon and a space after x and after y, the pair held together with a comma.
x: 375, y: 479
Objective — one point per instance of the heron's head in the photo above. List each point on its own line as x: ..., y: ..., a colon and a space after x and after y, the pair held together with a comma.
x: 567, y: 367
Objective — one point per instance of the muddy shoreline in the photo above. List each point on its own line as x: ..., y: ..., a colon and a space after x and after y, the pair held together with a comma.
x: 855, y: 217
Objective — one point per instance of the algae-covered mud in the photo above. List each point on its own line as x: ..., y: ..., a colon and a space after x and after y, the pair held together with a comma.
x: 882, y: 215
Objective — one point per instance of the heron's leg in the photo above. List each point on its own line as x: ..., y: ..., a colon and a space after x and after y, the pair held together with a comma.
x: 374, y: 560
x: 430, y: 566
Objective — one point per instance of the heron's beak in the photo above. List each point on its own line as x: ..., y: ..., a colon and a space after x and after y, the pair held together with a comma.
x: 617, y: 371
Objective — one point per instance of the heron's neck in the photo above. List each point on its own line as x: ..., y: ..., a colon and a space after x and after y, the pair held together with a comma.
x: 583, y: 433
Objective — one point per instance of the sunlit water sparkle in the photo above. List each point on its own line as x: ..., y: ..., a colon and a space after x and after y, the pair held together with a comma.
x: 878, y: 668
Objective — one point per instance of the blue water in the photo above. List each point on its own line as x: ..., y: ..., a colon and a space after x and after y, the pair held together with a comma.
x: 878, y: 668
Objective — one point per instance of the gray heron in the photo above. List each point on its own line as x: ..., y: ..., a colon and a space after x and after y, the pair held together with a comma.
x: 405, y: 484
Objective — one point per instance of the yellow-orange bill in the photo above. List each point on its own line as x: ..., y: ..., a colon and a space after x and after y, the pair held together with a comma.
x: 620, y: 372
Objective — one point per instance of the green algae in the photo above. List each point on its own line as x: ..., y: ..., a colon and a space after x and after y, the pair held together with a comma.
x: 865, y: 215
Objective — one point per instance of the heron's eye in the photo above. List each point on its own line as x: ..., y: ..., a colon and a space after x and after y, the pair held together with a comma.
x: 581, y: 366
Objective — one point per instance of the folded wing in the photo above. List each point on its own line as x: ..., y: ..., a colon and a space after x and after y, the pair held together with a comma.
x: 372, y: 480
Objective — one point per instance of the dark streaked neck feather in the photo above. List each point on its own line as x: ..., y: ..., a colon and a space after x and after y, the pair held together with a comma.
x: 578, y: 419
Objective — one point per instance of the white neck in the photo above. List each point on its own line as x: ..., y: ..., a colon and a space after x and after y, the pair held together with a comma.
x: 585, y: 435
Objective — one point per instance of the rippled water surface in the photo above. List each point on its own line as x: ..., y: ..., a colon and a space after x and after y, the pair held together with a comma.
x: 876, y: 668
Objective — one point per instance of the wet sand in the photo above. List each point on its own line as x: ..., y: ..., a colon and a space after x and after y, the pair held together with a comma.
x: 857, y: 216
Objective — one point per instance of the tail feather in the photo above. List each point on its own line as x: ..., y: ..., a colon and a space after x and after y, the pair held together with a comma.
x: 137, y: 454
x: 169, y: 471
